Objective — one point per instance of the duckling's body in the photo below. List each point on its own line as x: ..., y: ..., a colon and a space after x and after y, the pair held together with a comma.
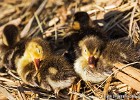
x: 57, y: 73
x: 28, y: 73
x: 3, y: 50
x: 27, y: 66
x: 120, y: 50
x: 83, y: 69
x: 85, y: 65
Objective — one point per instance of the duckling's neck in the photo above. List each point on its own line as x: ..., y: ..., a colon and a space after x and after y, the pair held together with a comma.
x: 24, y: 60
x: 81, y: 62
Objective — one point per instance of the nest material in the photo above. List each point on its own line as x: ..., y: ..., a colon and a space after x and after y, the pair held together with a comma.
x: 52, y: 19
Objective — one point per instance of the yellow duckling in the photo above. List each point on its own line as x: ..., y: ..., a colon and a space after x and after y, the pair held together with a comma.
x: 36, y: 50
x: 39, y: 66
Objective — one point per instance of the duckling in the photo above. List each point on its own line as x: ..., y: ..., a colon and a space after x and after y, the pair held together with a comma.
x: 81, y: 27
x: 56, y: 72
x: 10, y: 37
x: 27, y: 65
x: 104, y: 55
x: 85, y: 65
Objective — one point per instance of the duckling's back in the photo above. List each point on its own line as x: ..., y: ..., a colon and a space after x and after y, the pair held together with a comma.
x: 122, y: 50
x: 56, y: 72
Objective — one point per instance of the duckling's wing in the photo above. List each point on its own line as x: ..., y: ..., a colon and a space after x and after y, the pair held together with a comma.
x: 11, y: 55
x: 57, y: 68
x: 3, y: 50
x: 121, y: 50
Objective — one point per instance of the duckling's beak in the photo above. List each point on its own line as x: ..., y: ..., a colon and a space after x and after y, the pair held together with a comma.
x: 76, y: 25
x: 37, y: 64
x: 91, y: 61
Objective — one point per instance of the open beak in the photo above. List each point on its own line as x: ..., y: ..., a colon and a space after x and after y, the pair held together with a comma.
x: 91, y: 61
x: 37, y: 64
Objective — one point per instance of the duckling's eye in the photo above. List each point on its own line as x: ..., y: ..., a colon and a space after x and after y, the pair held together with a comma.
x: 85, y: 50
x: 97, y: 50
x: 38, y: 50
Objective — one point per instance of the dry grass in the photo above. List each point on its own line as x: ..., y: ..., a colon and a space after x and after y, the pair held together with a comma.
x: 52, y: 18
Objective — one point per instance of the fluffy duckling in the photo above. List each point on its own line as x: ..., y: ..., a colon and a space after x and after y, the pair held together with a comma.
x: 85, y: 66
x: 39, y: 67
x: 103, y: 56
x: 57, y: 73
x: 10, y: 37
x: 36, y: 50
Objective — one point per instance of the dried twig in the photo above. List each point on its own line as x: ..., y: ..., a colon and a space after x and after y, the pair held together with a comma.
x: 28, y: 26
x: 6, y: 93
x: 127, y: 79
x: 80, y: 95
x: 131, y: 71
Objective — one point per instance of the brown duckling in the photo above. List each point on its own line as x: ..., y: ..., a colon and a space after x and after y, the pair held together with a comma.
x: 10, y: 37
x: 104, y: 56
x: 85, y: 66
x: 27, y: 65
x: 57, y: 73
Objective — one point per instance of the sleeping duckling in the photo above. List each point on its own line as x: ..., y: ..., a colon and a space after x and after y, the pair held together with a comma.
x: 36, y: 50
x: 10, y: 37
x: 56, y: 72
x: 85, y: 66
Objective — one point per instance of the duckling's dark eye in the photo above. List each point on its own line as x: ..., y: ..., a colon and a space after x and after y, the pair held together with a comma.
x: 38, y: 50
x: 97, y: 50
x: 85, y: 50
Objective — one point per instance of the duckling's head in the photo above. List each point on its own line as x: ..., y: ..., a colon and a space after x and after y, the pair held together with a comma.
x: 81, y: 21
x: 36, y: 50
x: 10, y: 35
x: 91, y: 47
